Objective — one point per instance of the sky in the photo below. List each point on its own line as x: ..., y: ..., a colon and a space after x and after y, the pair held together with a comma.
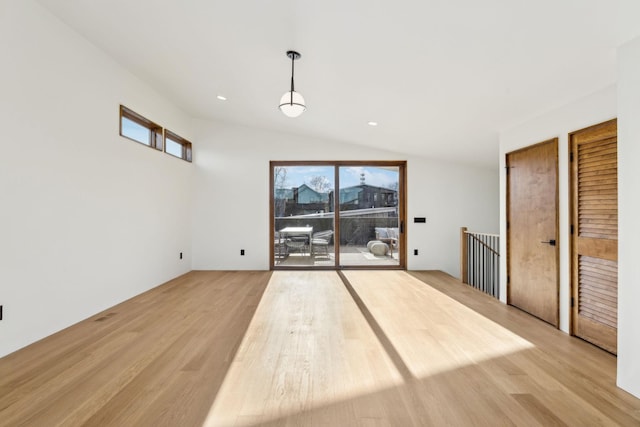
x: 141, y: 134
x: 349, y: 175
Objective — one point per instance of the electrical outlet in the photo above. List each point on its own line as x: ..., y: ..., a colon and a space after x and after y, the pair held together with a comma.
x: 415, y: 252
x: 241, y: 251
x: 180, y: 255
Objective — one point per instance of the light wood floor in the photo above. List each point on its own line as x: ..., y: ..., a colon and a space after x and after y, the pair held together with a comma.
x: 298, y: 348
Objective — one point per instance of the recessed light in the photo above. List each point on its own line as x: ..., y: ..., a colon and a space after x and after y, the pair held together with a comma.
x: 372, y: 123
x: 221, y: 98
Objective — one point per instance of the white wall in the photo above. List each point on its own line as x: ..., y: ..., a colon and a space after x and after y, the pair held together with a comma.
x: 232, y: 188
x: 622, y: 100
x: 591, y: 110
x: 87, y: 218
x: 629, y: 214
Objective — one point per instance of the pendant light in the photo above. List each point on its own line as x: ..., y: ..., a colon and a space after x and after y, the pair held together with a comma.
x: 292, y: 103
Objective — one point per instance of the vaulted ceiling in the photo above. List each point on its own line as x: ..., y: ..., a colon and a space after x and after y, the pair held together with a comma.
x: 441, y: 77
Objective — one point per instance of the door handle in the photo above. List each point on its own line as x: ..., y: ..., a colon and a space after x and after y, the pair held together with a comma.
x: 551, y: 242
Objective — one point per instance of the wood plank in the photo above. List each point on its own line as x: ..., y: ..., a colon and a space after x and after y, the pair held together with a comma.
x: 590, y: 289
x: 607, y: 151
x: 611, y: 195
x: 596, y: 305
x: 600, y: 280
x: 600, y: 189
x: 600, y: 271
x: 557, y: 350
x: 599, y: 316
x: 295, y: 348
x: 308, y: 344
x: 602, y: 132
x: 598, y: 159
x: 606, y: 144
x: 601, y: 215
x: 608, y: 229
x: 593, y: 165
x: 125, y: 362
x: 605, y: 249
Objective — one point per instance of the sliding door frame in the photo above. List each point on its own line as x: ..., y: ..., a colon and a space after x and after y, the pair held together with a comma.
x: 402, y: 203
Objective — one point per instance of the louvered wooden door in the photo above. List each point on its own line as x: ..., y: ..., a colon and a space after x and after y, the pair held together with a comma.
x: 594, y: 200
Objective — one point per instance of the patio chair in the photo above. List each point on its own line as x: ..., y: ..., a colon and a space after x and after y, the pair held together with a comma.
x: 388, y: 235
x: 321, y: 241
x: 279, y: 246
x: 296, y: 244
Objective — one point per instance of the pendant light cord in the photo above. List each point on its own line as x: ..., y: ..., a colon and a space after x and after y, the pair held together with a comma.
x: 293, y: 57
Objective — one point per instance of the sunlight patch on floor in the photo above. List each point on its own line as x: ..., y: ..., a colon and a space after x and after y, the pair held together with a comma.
x: 431, y: 331
x: 308, y: 345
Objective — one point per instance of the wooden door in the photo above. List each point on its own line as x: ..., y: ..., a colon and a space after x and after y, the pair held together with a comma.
x: 594, y: 240
x: 532, y: 230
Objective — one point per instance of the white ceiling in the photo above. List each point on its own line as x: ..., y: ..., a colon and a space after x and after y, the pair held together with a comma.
x: 441, y: 77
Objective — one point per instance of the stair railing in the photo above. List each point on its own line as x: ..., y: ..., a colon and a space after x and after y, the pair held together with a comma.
x: 480, y: 261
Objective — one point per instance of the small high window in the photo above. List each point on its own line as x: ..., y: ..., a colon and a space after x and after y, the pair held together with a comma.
x: 140, y: 129
x: 177, y: 146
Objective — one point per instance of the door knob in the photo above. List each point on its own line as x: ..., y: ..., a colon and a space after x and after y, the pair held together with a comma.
x: 551, y: 242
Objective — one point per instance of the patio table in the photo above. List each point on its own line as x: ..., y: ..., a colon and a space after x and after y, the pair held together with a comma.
x: 299, y: 231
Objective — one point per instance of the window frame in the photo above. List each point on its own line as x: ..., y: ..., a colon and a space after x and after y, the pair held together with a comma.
x: 156, y: 132
x: 185, y: 144
x: 401, y: 193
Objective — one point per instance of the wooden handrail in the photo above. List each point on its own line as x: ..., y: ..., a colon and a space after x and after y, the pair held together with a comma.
x: 481, y: 234
x: 473, y: 235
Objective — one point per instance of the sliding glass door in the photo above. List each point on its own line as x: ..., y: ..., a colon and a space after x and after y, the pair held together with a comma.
x: 366, y: 231
x: 303, y: 215
x: 369, y: 215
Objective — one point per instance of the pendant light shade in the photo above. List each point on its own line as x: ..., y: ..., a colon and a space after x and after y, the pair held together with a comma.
x: 292, y: 103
